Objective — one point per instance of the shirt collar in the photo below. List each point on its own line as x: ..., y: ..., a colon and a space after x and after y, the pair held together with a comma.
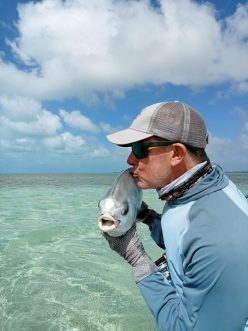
x: 183, y: 178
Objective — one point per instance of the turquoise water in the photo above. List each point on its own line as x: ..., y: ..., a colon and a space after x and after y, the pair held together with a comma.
x: 57, y: 273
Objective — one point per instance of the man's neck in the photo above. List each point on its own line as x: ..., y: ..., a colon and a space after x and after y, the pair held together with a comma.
x: 183, y: 183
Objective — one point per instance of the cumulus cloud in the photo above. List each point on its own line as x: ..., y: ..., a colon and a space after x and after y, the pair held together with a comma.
x: 17, y: 108
x: 219, y: 148
x: 100, y: 151
x: 97, y: 50
x: 72, y: 144
x: 79, y: 48
x: 66, y: 142
x: 26, y: 117
x: 229, y: 153
x: 45, y: 124
x: 108, y: 128
x: 26, y: 126
x: 237, y: 25
x: 19, y: 145
x: 76, y: 120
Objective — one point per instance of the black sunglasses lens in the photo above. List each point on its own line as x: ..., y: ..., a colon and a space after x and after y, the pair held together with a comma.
x: 139, y: 150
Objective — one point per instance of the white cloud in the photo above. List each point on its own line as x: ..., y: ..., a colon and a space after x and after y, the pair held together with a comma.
x: 54, y: 142
x: 219, y: 148
x: 71, y: 144
x: 238, y: 23
x: 19, y: 108
x: 108, y: 128
x: 229, y: 153
x: 242, y: 87
x: 99, y: 152
x: 79, y: 48
x: 66, y: 142
x: 76, y: 120
x: 96, y: 50
x: 25, y: 126
x: 26, y: 117
x: 45, y: 124
x: 15, y: 146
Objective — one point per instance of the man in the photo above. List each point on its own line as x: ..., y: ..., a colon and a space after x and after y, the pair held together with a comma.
x: 204, y: 224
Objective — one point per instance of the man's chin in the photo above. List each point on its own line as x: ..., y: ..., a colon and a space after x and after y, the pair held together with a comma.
x: 142, y: 185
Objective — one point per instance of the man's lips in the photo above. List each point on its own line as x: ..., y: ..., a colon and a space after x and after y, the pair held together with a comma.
x: 135, y: 175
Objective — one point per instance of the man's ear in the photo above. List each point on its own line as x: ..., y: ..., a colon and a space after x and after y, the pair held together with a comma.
x: 179, y: 152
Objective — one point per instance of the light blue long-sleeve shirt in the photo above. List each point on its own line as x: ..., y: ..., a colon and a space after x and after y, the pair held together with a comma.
x: 205, y: 233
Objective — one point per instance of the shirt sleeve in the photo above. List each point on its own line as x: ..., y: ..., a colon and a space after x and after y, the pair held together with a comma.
x: 187, y: 309
x: 208, y: 298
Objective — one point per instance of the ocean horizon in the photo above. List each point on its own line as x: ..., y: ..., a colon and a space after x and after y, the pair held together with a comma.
x: 57, y: 272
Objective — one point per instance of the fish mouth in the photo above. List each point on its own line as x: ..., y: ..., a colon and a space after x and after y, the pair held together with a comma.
x: 107, y: 222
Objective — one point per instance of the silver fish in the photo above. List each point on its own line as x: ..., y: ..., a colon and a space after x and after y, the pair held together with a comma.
x: 120, y: 205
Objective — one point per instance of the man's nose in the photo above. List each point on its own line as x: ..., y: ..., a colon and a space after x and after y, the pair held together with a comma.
x: 132, y: 159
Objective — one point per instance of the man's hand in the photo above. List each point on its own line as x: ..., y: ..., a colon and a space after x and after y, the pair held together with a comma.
x: 132, y: 250
x: 147, y: 215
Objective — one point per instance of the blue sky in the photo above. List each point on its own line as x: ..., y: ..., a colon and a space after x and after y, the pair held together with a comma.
x: 73, y: 71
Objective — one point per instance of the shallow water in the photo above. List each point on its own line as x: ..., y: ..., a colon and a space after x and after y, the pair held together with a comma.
x: 56, y: 271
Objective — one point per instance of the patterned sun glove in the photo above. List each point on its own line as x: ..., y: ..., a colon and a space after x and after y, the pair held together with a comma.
x: 132, y: 250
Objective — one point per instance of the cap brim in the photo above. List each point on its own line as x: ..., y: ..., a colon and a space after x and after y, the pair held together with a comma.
x: 127, y: 137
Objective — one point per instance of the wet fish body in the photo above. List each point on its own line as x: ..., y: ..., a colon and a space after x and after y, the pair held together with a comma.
x: 120, y: 205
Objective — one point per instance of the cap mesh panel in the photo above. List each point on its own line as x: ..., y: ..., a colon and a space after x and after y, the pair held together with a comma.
x: 168, y: 121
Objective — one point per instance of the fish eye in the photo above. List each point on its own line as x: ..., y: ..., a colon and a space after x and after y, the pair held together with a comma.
x: 125, y: 208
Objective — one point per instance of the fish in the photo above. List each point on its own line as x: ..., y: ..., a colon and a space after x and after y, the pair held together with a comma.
x: 120, y: 205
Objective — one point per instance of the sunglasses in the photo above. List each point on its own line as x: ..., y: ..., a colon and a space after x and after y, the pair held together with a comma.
x: 140, y: 149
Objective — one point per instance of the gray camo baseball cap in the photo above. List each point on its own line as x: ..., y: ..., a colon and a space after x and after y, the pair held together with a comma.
x: 175, y: 121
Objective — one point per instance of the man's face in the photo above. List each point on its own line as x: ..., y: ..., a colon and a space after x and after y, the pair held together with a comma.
x: 153, y: 171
